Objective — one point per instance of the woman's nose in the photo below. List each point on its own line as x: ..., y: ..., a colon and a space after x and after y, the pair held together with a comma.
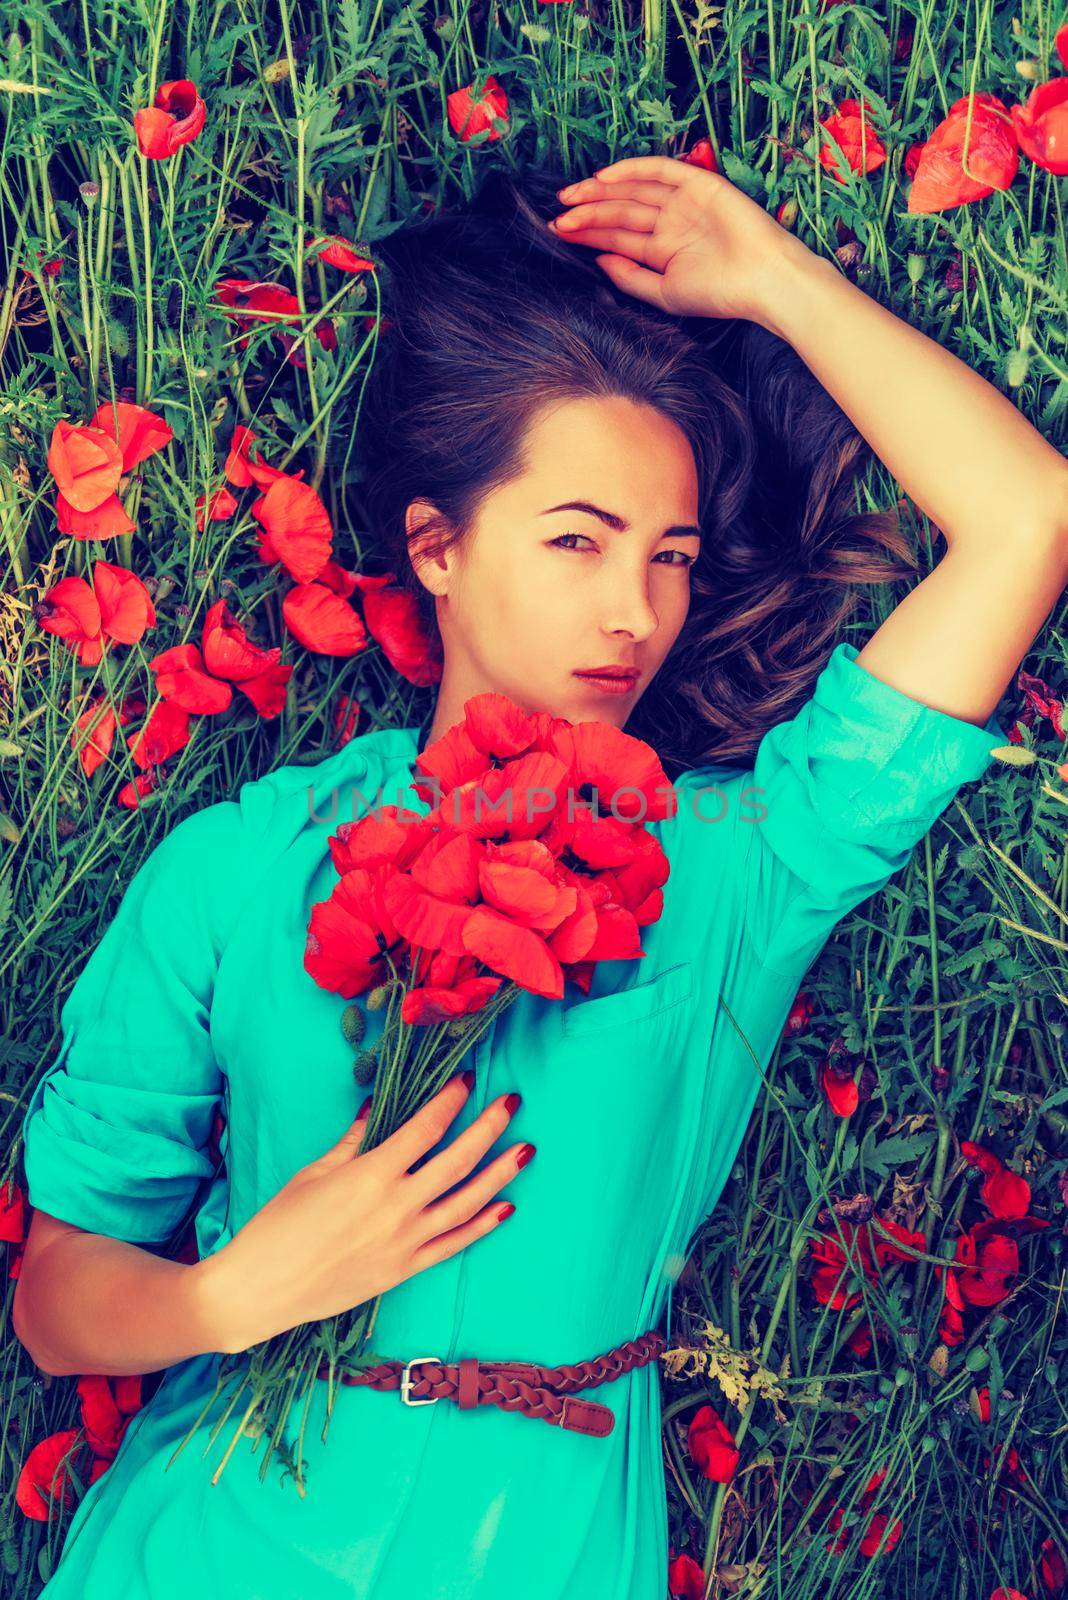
x: 632, y: 612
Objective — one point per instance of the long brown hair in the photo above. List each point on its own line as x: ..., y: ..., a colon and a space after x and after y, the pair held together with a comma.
x: 490, y: 317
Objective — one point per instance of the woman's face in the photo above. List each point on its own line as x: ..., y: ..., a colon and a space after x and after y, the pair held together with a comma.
x: 536, y: 593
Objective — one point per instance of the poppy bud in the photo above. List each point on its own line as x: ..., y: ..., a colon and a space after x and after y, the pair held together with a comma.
x: 353, y: 1024
x: 363, y: 1068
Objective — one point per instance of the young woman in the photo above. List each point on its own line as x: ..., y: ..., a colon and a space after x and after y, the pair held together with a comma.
x: 569, y: 482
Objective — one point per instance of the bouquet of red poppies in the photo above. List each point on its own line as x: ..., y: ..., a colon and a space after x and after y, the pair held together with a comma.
x: 532, y: 865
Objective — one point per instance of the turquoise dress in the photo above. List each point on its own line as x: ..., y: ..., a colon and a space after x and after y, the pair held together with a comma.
x: 637, y: 1097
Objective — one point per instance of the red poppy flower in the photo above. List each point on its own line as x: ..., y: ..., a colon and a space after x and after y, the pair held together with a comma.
x: 100, y: 717
x: 337, y: 578
x: 1006, y: 1462
x: 346, y: 715
x: 1005, y: 1194
x: 874, y: 1536
x: 993, y: 156
x: 1060, y: 44
x: 126, y: 609
x: 105, y: 521
x: 839, y: 1088
x: 242, y: 469
x: 986, y: 1260
x: 269, y: 302
x: 228, y: 652
x: 351, y: 934
x: 267, y: 690
x: 12, y: 1213
x: 164, y: 733
x: 322, y: 621
x: 686, y: 1578
x: 800, y: 1013
x: 912, y: 159
x: 1006, y: 1594
x: 183, y: 680
x: 468, y: 891
x: 1052, y: 1565
x: 861, y: 1342
x: 865, y: 1251
x: 341, y: 254
x: 449, y: 987
x: 297, y: 528
x: 392, y: 618
x: 132, y: 793
x: 71, y: 611
x: 117, y: 607
x: 44, y: 1476
x: 861, y: 145
x: 49, y: 268
x: 86, y: 464
x: 464, y: 896
x: 468, y: 117
x: 1040, y: 701
x: 176, y: 117
x: 138, y: 432
x: 1042, y: 126
x: 388, y: 836
x: 701, y: 155
x: 107, y: 1405
x: 219, y: 506
x: 711, y: 1445
x: 292, y: 344
x: 875, y: 1529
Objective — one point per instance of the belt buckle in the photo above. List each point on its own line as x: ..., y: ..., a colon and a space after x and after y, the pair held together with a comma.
x: 406, y: 1382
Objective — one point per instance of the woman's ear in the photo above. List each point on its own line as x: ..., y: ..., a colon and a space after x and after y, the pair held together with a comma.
x: 424, y: 526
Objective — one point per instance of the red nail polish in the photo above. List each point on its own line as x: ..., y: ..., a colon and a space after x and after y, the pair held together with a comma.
x: 505, y: 1211
x: 512, y: 1104
x: 469, y: 1079
x: 365, y: 1107
x: 525, y: 1154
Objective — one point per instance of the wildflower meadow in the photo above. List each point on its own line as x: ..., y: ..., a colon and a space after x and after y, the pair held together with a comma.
x: 864, y: 1387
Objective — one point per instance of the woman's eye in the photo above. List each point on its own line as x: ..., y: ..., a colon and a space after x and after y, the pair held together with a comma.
x: 687, y: 561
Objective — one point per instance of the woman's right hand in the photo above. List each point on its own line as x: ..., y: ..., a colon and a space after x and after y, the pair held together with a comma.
x: 350, y: 1225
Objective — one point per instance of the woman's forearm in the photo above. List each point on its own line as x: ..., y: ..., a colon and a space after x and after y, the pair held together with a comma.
x: 960, y: 450
x: 93, y: 1304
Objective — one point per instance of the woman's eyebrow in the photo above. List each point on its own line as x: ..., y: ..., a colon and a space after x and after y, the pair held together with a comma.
x: 680, y: 530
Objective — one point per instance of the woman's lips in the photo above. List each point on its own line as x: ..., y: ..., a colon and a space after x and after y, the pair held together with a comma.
x: 607, y: 685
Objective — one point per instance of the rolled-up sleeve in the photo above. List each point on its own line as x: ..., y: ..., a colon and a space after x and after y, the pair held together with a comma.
x: 116, y: 1130
x: 840, y: 795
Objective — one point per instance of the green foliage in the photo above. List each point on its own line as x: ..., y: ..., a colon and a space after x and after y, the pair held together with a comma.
x: 335, y: 122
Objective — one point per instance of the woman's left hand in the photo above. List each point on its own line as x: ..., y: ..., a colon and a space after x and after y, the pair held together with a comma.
x: 681, y: 237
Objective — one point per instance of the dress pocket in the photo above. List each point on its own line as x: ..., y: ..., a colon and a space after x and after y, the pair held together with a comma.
x: 636, y: 1004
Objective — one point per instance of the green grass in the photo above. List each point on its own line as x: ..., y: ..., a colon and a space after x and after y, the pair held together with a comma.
x: 951, y: 983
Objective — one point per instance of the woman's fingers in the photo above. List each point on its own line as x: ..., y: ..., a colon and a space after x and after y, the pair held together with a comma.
x: 638, y: 246
x: 609, y: 214
x: 653, y: 192
x: 665, y: 169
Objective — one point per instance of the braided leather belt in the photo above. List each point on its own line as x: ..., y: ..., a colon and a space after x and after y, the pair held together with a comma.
x: 522, y: 1386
